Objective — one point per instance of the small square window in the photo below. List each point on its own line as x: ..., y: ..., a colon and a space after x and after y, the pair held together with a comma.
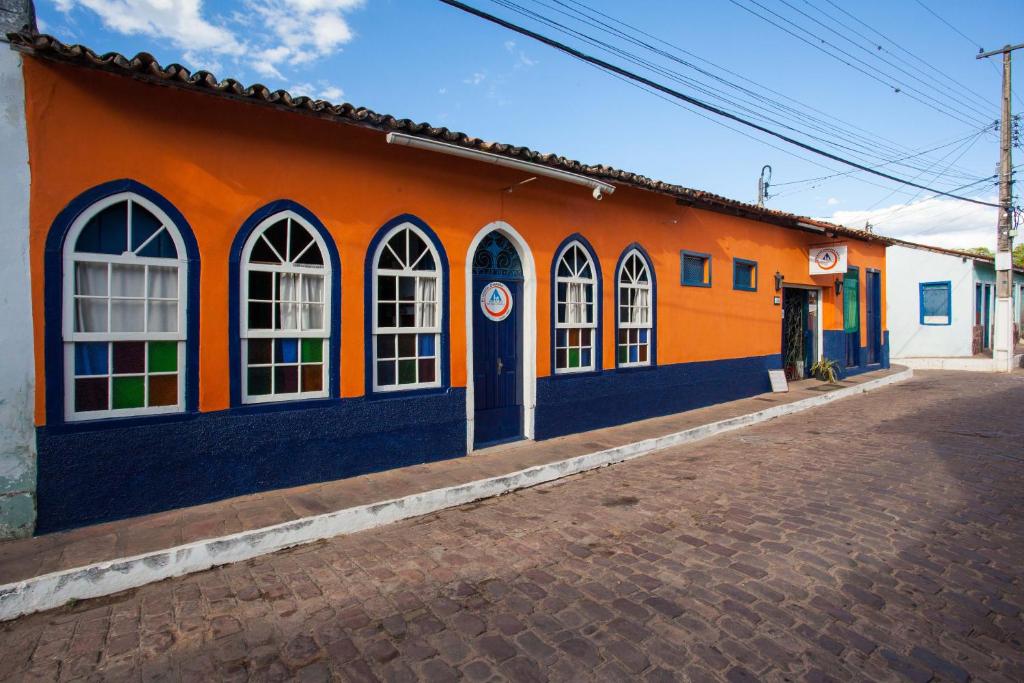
x: 936, y: 302
x: 696, y: 269
x: 744, y: 275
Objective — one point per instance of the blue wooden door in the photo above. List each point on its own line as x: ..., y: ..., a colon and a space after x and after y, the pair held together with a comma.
x: 874, y: 299
x: 987, y: 319
x: 497, y: 368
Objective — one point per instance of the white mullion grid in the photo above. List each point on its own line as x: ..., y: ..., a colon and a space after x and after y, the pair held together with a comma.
x: 581, y: 263
x: 417, y: 329
x: 637, y: 318
x: 275, y: 334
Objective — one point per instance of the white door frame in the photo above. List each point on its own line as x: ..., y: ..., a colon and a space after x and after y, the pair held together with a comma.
x: 820, y: 333
x: 528, y: 342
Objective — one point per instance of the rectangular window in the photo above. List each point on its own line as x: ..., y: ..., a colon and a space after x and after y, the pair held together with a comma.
x: 744, y: 275
x: 696, y: 269
x: 936, y: 303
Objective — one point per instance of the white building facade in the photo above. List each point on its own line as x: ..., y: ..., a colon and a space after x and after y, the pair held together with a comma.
x: 941, y: 307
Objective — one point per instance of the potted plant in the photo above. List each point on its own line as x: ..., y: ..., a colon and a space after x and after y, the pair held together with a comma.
x: 826, y: 370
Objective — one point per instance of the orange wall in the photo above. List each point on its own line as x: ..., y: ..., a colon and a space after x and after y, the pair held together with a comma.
x: 218, y: 161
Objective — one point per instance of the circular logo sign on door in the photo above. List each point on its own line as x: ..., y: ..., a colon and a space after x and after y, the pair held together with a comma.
x: 496, y: 301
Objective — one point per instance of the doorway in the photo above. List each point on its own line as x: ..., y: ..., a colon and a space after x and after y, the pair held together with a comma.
x: 986, y: 321
x: 799, y: 331
x: 874, y: 301
x: 497, y: 298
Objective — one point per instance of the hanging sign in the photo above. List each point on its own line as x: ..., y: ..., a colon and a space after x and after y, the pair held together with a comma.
x: 829, y: 260
x: 496, y: 301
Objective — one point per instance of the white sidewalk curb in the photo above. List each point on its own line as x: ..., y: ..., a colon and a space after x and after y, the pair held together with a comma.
x: 105, y: 578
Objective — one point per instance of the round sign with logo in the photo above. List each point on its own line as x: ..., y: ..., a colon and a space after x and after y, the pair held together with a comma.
x: 827, y: 258
x: 496, y: 301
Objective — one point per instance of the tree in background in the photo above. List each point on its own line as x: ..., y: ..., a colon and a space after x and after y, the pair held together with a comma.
x: 1018, y: 255
x: 981, y: 251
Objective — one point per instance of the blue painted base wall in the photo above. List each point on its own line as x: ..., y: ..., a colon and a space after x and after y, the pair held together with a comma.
x: 834, y: 344
x: 91, y: 475
x: 575, y: 403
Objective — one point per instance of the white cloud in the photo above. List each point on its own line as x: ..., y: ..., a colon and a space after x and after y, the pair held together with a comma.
x: 271, y: 37
x: 832, y: 201
x: 321, y: 91
x: 179, y: 21
x: 510, y: 45
x: 476, y: 79
x: 442, y: 91
x: 939, y: 221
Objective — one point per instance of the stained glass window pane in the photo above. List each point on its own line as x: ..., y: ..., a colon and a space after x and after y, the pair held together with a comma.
x: 129, y: 357
x: 91, y: 394
x: 312, y: 350
x: 91, y: 358
x: 163, y: 356
x: 129, y: 392
x: 312, y: 377
x: 163, y: 390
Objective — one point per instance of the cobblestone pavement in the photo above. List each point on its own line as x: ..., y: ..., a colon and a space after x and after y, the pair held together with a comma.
x: 880, y: 537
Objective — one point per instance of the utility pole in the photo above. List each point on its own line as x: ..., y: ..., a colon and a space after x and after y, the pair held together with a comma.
x: 1003, y: 341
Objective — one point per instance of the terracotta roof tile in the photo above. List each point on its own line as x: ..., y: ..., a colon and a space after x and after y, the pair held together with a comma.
x: 145, y: 66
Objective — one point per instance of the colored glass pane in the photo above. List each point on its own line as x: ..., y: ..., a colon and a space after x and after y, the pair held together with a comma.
x: 386, y: 346
x: 286, y: 350
x: 574, y: 358
x: 406, y: 345
x: 144, y: 226
x: 312, y: 377
x: 426, y: 345
x: 585, y: 357
x: 90, y: 394
x: 106, y: 232
x: 129, y: 392
x: 286, y: 379
x: 163, y: 356
x: 407, y: 372
x: 260, y: 351
x: 129, y: 357
x: 259, y: 381
x: 386, y: 373
x: 91, y: 358
x: 632, y: 354
x: 560, y: 361
x: 427, y: 369
x: 622, y: 354
x: 163, y: 390
x: 312, y: 350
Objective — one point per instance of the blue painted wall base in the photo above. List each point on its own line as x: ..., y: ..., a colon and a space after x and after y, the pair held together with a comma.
x: 91, y: 474
x: 567, y: 404
x: 835, y: 348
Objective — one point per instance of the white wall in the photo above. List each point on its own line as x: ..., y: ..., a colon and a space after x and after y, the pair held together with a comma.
x: 17, y: 369
x: 906, y: 269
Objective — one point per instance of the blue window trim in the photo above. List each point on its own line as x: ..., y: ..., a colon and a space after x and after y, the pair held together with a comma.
x: 754, y: 278
x: 53, y: 292
x: 654, y: 307
x: 682, y: 271
x: 948, y: 284
x: 234, y: 304
x: 369, y: 304
x: 598, y: 300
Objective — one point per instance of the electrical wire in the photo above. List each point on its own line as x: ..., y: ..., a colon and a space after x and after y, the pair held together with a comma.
x: 689, y: 99
x: 859, y: 147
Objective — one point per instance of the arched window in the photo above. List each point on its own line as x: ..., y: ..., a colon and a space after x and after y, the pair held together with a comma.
x: 635, y: 311
x: 575, y: 309
x: 285, y: 311
x: 407, y: 311
x: 125, y: 299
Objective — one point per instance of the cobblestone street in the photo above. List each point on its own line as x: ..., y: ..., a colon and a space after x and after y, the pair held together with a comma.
x: 880, y: 537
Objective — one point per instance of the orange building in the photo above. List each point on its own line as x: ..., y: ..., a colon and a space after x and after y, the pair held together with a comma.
x: 235, y: 290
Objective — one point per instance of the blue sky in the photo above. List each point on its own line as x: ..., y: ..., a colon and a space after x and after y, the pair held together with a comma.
x: 423, y: 60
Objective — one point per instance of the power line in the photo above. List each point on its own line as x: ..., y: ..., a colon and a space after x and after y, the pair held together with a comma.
x: 961, y: 34
x: 874, y: 53
x: 907, y: 52
x: 816, y: 123
x: 686, y: 98
x: 907, y: 90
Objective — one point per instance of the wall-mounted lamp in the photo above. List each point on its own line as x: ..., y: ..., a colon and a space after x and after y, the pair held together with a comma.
x: 839, y: 286
x: 779, y: 277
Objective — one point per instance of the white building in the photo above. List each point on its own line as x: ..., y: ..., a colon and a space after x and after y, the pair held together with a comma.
x: 940, y: 305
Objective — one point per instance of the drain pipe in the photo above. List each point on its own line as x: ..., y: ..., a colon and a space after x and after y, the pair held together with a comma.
x: 598, y: 189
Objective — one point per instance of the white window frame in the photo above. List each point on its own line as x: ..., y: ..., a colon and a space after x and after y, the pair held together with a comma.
x: 629, y: 325
x: 69, y: 336
x: 592, y: 325
x: 245, y: 334
x: 417, y: 330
